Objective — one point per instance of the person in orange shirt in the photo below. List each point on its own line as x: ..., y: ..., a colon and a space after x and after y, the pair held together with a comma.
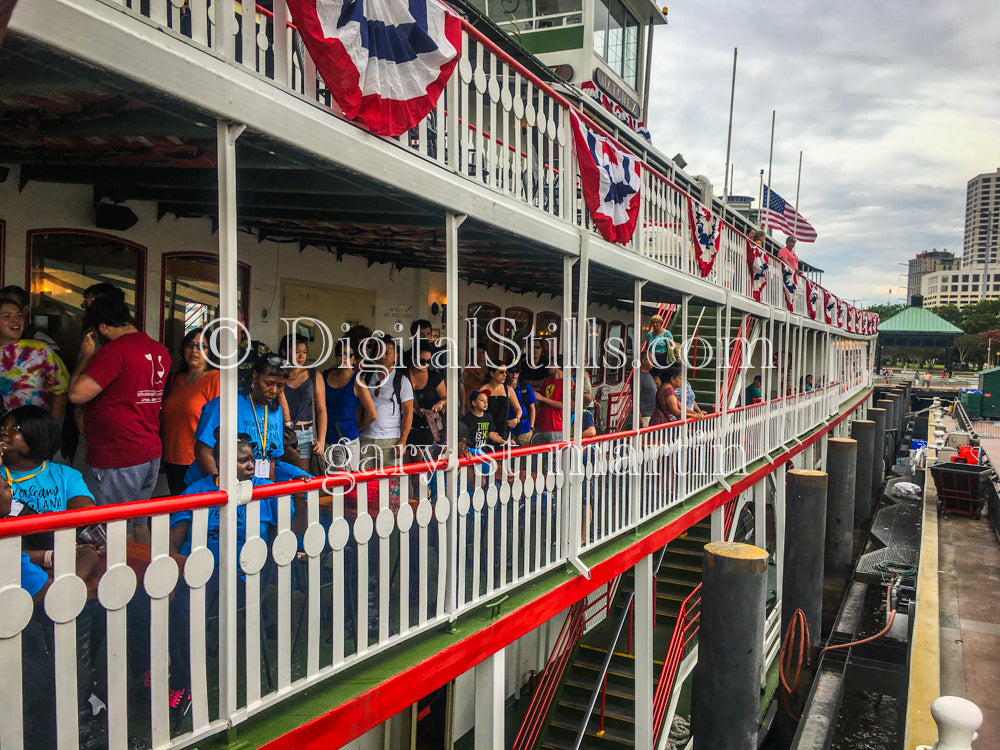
x: 194, y: 384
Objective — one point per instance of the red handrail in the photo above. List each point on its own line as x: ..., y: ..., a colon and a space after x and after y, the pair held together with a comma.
x: 534, y: 718
x: 72, y: 519
x: 685, y: 628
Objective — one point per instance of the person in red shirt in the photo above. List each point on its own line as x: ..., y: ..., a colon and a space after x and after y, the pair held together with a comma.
x: 122, y: 385
x: 548, y: 420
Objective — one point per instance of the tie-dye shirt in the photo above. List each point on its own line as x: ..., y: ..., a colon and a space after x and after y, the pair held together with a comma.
x: 31, y: 373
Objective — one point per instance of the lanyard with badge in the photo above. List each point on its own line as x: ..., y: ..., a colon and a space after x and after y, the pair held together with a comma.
x: 17, y: 506
x: 261, y: 466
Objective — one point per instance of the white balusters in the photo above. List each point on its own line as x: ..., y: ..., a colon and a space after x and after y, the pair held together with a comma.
x: 16, y: 609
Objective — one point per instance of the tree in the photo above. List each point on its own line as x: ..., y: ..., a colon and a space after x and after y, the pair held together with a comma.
x: 885, y: 312
x: 951, y: 313
x: 966, y: 345
x: 982, y: 316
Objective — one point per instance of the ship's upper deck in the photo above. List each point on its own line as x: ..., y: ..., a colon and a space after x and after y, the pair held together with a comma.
x: 141, y: 101
x: 496, y: 149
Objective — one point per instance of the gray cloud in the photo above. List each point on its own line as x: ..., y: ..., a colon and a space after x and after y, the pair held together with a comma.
x: 896, y: 105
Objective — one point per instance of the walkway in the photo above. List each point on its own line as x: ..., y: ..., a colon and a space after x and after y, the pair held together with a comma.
x: 969, y: 579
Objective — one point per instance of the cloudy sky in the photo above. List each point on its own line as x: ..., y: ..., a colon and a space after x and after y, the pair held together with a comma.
x: 895, y: 104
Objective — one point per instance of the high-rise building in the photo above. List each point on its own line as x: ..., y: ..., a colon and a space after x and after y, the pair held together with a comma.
x: 982, y: 214
x: 923, y: 264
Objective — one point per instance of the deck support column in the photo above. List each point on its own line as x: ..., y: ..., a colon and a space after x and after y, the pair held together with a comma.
x: 643, y: 624
x: 805, y: 527
x: 579, y: 517
x: 226, y: 342
x: 452, y: 340
x: 842, y: 457
x: 636, y: 474
x: 726, y: 699
x: 863, y: 431
x: 879, y: 458
x: 489, y: 701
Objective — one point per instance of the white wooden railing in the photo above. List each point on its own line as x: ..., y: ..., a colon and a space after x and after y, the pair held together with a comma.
x: 384, y: 556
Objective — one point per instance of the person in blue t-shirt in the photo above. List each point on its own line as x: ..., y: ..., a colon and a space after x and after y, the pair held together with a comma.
x: 34, y: 579
x: 180, y: 523
x: 258, y: 414
x: 526, y: 398
x: 29, y: 438
x: 180, y: 543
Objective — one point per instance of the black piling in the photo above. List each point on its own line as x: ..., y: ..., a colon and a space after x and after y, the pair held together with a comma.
x: 726, y: 697
x: 881, y: 455
x: 805, y: 533
x: 863, y: 431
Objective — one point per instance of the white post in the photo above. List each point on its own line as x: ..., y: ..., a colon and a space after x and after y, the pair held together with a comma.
x: 760, y: 514
x: 635, y: 482
x: 643, y: 625
x: 452, y: 223
x: 566, y: 550
x: 779, y: 527
x: 489, y: 702
x: 957, y: 720
x: 579, y: 524
x: 718, y: 524
x: 227, y: 133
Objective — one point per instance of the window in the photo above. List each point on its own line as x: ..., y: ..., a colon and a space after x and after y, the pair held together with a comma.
x: 522, y: 319
x: 527, y: 15
x: 191, y: 295
x: 548, y: 326
x: 480, y: 314
x: 596, y: 330
x: 616, y: 330
x: 965, y: 287
x: 965, y: 277
x: 63, y: 264
x: 616, y: 39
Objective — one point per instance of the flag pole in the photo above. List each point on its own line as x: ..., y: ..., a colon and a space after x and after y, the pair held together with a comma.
x: 767, y: 190
x: 729, y: 136
x: 760, y: 199
x: 798, y: 184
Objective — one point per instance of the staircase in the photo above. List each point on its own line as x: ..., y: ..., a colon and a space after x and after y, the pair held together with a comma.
x: 678, y: 575
x: 703, y: 323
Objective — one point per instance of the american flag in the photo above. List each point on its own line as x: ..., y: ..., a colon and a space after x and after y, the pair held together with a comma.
x: 778, y: 213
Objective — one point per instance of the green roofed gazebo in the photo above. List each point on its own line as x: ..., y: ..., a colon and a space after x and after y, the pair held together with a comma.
x: 916, y: 326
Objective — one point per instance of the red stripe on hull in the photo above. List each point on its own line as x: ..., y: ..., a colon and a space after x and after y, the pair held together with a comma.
x: 350, y: 720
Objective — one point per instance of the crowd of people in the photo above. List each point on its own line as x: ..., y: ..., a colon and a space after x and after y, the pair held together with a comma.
x: 143, y: 412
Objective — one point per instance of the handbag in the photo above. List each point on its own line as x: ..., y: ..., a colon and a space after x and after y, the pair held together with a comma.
x: 435, y: 423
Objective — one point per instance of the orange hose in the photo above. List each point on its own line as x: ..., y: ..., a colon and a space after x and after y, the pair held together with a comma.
x: 798, y: 628
x: 888, y: 624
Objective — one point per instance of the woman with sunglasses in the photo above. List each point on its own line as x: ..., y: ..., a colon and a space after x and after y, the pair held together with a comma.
x: 195, y: 383
x: 258, y: 414
x: 343, y: 408
x: 429, y: 398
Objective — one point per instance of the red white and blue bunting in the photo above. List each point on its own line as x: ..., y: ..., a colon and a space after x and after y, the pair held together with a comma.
x: 385, y: 62
x: 758, y: 264
x: 812, y: 298
x: 610, y: 181
x: 841, y: 313
x: 615, y: 108
x: 706, y: 231
x: 790, y: 281
x: 829, y: 307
